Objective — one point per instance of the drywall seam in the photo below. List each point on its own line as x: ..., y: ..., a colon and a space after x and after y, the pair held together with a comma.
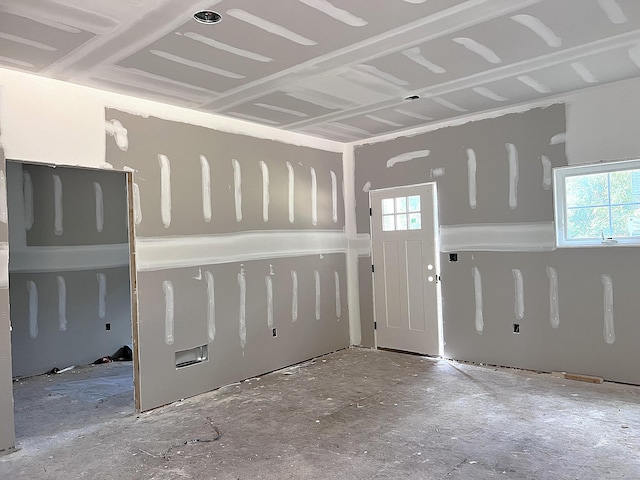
x: 316, y: 275
x: 554, y: 307
x: 268, y: 280
x: 242, y: 283
x: 211, y: 306
x: 519, y: 292
x: 68, y: 258
x: 609, y: 329
x: 97, y: 189
x: 264, y: 169
x: 354, y: 242
x: 57, y: 205
x: 165, y: 190
x: 137, y: 207
x: 167, y: 287
x: 237, y: 188
x: 102, y: 295
x: 477, y: 286
x: 62, y: 303
x: 546, y: 172
x: 291, y: 192
x: 539, y: 28
x: 33, y: 308
x: 496, y: 237
x: 3, y: 198
x: 334, y: 197
x: 472, y: 167
x: 294, y: 296
x: 27, y: 192
x: 159, y: 253
x: 314, y: 196
x: 336, y: 279
x: 205, y: 170
x: 513, y: 175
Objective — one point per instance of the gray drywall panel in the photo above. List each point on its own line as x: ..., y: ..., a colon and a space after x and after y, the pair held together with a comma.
x: 531, y: 133
x: 7, y: 432
x: 78, y: 206
x: 365, y: 279
x: 184, y: 144
x: 84, y: 338
x: 229, y: 361
x: 578, y: 344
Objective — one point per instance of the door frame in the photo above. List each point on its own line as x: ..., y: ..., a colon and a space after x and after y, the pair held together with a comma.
x: 133, y: 291
x: 436, y: 220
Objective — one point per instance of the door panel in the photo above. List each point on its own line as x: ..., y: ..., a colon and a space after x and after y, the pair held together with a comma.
x: 403, y: 228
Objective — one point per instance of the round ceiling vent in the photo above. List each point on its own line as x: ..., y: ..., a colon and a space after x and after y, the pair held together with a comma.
x: 207, y: 16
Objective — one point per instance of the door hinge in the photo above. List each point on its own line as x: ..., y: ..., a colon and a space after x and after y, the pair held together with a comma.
x: 375, y: 325
x: 438, y: 279
x: 370, y: 212
x: 373, y: 269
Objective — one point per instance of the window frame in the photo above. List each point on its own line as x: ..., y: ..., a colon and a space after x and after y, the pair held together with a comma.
x: 560, y: 174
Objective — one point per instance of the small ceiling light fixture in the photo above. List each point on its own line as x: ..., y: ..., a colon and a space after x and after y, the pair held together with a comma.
x: 410, y: 98
x: 207, y: 16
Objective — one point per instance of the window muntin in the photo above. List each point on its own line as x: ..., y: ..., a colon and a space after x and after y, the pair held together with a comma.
x: 395, y: 216
x: 598, y: 204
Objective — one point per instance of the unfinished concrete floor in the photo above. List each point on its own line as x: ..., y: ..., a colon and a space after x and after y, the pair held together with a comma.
x: 362, y: 414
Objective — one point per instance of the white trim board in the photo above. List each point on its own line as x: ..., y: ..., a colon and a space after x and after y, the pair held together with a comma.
x: 163, y: 253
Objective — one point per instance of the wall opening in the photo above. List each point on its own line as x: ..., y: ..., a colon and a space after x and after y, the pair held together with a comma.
x: 71, y: 278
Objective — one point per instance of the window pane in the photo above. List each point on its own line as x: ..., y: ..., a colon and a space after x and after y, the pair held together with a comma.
x: 587, y: 223
x: 587, y: 190
x: 622, y: 186
x: 414, y: 203
x: 415, y: 221
x: 401, y: 204
x: 401, y: 222
x: 388, y: 223
x: 387, y: 206
x: 626, y: 221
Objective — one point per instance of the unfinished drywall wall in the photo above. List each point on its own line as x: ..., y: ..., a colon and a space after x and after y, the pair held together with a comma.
x: 496, y: 213
x: 68, y: 266
x: 240, y: 251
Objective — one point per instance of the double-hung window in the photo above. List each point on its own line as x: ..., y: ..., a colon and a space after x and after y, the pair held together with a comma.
x: 598, y: 204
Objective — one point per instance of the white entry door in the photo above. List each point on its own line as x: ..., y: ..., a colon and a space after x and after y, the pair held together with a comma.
x: 405, y: 260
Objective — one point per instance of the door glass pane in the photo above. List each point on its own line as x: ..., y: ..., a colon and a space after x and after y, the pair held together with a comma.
x: 401, y: 204
x: 388, y: 223
x: 414, y: 203
x: 401, y: 222
x: 625, y: 221
x: 387, y: 206
x: 415, y: 221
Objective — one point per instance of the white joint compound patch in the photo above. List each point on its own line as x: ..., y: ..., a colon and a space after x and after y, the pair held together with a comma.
x: 316, y: 275
x: 609, y: 330
x: 437, y: 172
x: 546, y: 172
x: 291, y: 192
x: 205, y: 170
x: 32, y: 289
x: 242, y: 283
x: 268, y: 280
x: 264, y: 168
x: 334, y: 197
x: 408, y: 156
x: 97, y: 189
x: 119, y: 133
x: 538, y: 27
x: 479, y: 49
x: 137, y: 207
x: 558, y: 139
x: 554, y: 307
x: 102, y: 295
x: 519, y: 292
x: 472, y: 167
x: 513, y: 175
x: 366, y: 187
x: 4, y: 218
x: 294, y: 296
x: 211, y: 306
x: 339, y: 14
x: 477, y: 285
x: 62, y: 303
x: 336, y: 278
x: 167, y: 287
x: 27, y: 192
x: 57, y: 205
x: 237, y: 189
x: 613, y: 11
x: 165, y: 190
x: 314, y: 196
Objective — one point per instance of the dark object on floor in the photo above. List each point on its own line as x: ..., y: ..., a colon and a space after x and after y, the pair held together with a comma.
x: 123, y: 354
x: 106, y: 359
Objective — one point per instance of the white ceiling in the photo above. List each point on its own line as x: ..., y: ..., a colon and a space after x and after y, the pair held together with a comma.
x: 337, y: 69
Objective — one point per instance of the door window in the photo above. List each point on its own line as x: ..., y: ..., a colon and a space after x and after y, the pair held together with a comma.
x: 401, y: 213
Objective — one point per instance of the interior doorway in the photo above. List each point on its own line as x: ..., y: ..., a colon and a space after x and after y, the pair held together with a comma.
x: 406, y: 273
x: 71, y: 278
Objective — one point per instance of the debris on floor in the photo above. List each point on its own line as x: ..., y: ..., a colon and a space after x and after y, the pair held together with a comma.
x: 123, y: 354
x: 63, y: 370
